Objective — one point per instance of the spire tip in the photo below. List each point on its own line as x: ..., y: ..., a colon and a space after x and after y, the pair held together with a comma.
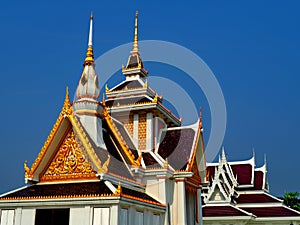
x: 89, y: 59
x: 135, y: 39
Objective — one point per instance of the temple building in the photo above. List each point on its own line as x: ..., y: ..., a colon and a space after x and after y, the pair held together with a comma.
x: 122, y: 160
x: 238, y: 193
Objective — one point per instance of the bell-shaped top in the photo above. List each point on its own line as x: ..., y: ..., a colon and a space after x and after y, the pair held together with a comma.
x: 88, y: 86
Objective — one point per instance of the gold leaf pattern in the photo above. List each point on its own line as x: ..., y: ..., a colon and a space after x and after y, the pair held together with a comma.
x: 69, y: 160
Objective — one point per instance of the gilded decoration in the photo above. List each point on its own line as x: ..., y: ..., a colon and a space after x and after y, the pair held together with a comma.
x: 119, y: 138
x: 69, y: 160
x: 66, y: 111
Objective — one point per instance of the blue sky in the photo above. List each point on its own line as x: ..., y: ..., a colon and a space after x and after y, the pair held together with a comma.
x: 252, y: 48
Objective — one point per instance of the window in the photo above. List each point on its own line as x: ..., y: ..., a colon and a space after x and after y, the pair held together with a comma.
x: 7, y: 217
x: 52, y: 217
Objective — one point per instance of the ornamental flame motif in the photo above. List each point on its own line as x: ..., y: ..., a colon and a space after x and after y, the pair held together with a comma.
x: 69, y: 160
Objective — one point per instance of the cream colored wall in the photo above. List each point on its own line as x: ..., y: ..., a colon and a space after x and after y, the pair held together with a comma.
x: 80, y: 215
x: 27, y: 216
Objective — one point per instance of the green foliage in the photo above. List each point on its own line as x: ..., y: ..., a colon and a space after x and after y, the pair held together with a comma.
x: 292, y: 200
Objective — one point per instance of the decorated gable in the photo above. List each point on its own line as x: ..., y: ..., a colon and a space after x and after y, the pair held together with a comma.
x: 68, y: 162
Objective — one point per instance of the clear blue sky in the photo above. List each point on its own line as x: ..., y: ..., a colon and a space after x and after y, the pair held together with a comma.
x: 252, y: 47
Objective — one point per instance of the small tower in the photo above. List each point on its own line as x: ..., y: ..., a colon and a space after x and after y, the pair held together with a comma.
x: 86, y: 105
x: 136, y: 105
x: 135, y: 68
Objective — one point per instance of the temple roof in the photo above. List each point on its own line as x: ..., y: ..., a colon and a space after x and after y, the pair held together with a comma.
x: 223, y: 211
x: 280, y: 211
x: 176, y: 145
x: 257, y: 198
x: 94, y: 189
x: 128, y: 84
x: 249, y: 193
x: 88, y: 159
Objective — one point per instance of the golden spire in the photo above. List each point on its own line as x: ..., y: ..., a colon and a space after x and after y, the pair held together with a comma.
x: 89, y: 59
x: 135, y: 39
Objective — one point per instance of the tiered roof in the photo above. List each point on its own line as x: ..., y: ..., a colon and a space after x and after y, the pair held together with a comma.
x: 249, y: 195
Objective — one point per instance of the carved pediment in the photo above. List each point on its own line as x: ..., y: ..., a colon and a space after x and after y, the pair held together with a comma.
x: 68, y: 162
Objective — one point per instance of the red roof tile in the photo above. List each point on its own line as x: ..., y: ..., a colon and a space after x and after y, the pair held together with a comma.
x: 73, y: 189
x: 258, y: 180
x: 272, y: 211
x: 177, y: 146
x: 256, y: 198
x: 243, y: 172
x: 214, y: 211
x: 210, y: 172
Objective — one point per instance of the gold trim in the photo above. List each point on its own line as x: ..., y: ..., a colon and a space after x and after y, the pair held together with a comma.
x: 119, y: 189
x: 68, y: 162
x: 88, y: 112
x: 86, y: 143
x: 146, y: 84
x: 191, y: 162
x: 106, y: 88
x: 89, y: 59
x: 155, y: 99
x: 166, y: 164
x: 120, y: 139
x: 142, y: 200
x: 59, y: 197
x: 94, y: 196
x: 67, y: 112
x: 135, y: 39
x: 104, y: 168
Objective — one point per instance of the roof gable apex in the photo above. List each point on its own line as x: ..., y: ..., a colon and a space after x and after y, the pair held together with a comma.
x: 65, y: 122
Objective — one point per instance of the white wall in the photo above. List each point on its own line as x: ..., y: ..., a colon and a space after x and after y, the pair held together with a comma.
x: 80, y: 215
x: 27, y: 216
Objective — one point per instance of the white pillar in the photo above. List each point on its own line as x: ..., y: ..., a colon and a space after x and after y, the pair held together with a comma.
x: 114, y: 215
x: 181, y: 207
x: 162, y: 189
x: 80, y: 215
x: 149, y: 132
x: 156, y: 132
x: 28, y: 217
x: 148, y: 218
x: 18, y: 216
x: 199, y: 202
x: 136, y: 130
x: 131, y: 215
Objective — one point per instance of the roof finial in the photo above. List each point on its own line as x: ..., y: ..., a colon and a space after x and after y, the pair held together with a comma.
x: 89, y: 59
x: 265, y: 160
x: 223, y: 154
x: 135, y: 40
x: 91, y: 31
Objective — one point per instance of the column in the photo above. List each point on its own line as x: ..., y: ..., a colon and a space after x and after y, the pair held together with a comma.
x: 181, y: 207
x: 149, y: 131
x: 136, y: 130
